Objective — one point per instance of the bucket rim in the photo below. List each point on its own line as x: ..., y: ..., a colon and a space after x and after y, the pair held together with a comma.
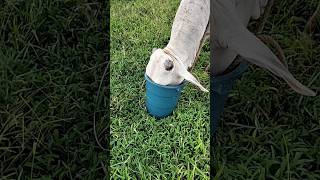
x: 231, y: 75
x: 164, y: 86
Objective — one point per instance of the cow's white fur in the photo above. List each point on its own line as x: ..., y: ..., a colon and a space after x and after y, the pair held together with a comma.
x: 230, y: 38
x: 188, y: 29
x: 231, y: 33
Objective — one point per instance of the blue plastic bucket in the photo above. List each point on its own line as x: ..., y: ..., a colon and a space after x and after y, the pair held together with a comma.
x: 220, y: 87
x: 161, y: 100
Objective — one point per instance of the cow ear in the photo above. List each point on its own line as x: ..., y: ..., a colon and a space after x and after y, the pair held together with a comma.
x: 183, y: 72
x: 189, y: 77
x: 153, y: 50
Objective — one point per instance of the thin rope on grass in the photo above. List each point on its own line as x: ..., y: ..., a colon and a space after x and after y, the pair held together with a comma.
x: 313, y: 21
x: 265, y: 16
x: 267, y: 39
x: 274, y: 44
x: 94, y: 114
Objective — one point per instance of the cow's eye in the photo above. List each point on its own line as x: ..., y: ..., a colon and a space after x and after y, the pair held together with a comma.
x: 168, y: 65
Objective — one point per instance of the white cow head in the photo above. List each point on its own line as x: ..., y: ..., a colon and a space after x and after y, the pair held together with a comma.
x: 164, y: 69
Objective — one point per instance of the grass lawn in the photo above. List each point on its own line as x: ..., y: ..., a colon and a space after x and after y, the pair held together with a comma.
x: 51, y: 67
x: 269, y: 131
x: 177, y: 146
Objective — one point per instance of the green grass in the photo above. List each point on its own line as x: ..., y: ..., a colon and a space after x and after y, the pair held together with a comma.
x: 175, y: 147
x: 267, y: 132
x: 51, y: 66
